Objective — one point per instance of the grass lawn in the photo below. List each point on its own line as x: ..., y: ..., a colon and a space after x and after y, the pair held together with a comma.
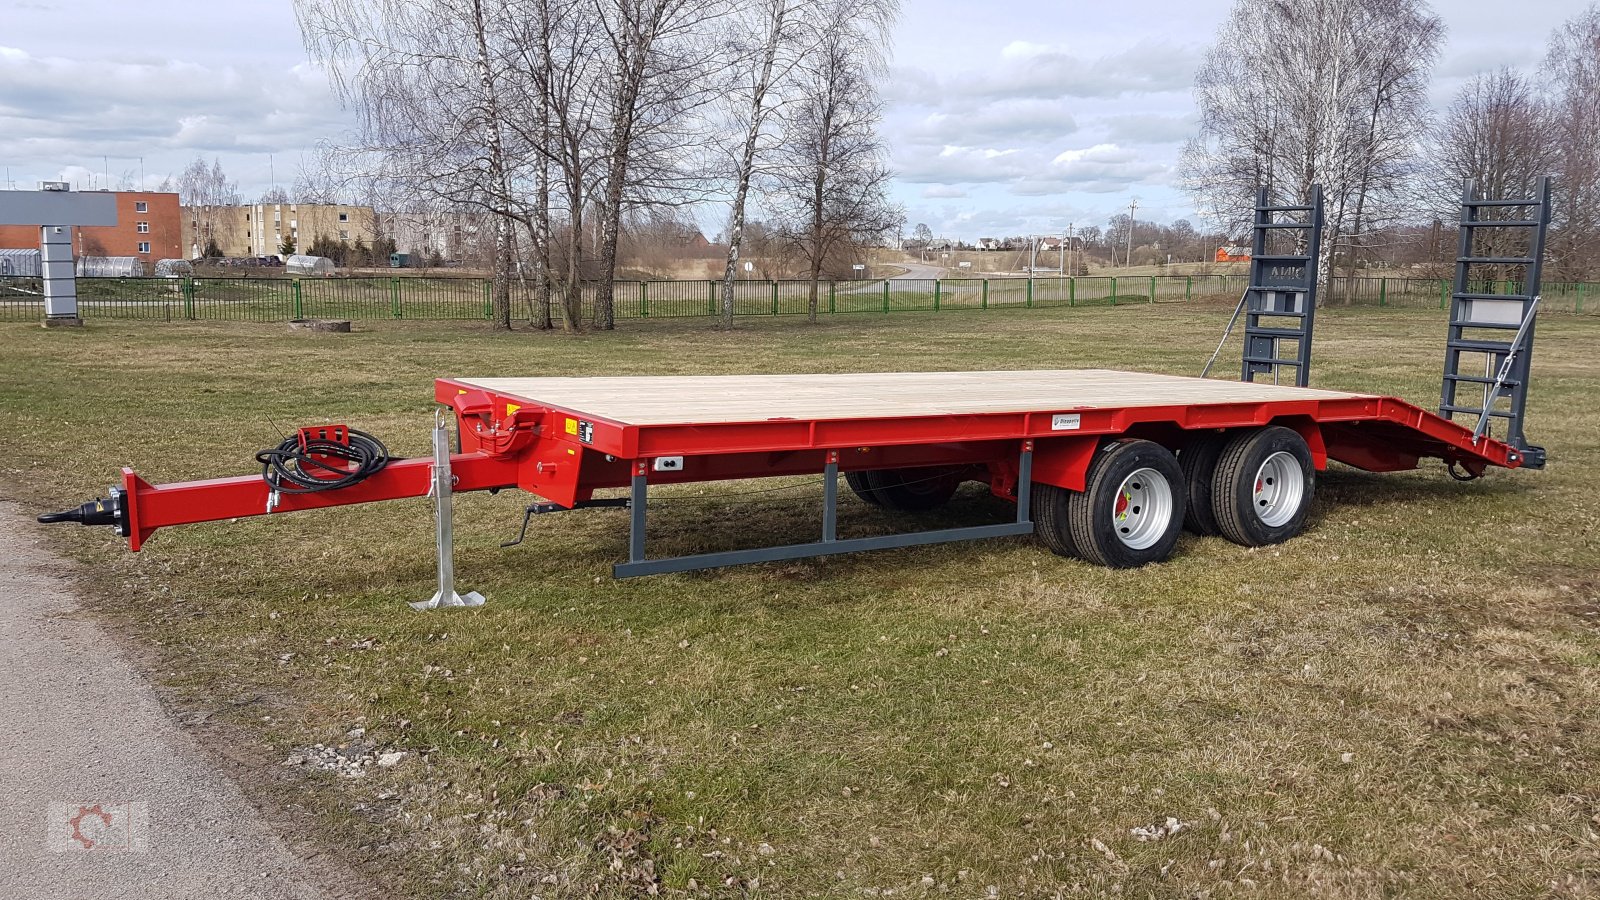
x: 1401, y: 702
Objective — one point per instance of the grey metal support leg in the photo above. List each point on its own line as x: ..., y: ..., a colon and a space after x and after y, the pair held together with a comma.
x: 636, y: 514
x: 830, y: 545
x: 830, y: 498
x: 1025, y: 484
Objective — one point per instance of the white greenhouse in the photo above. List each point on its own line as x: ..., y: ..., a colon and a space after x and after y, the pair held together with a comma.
x: 110, y: 267
x: 308, y: 265
x: 19, y: 264
x: 174, y: 268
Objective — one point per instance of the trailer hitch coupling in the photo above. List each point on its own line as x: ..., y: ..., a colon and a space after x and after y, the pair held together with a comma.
x: 99, y: 511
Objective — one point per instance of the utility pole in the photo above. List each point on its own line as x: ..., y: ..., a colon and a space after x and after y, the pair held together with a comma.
x: 1061, y: 268
x: 1033, y: 259
x: 1132, y: 208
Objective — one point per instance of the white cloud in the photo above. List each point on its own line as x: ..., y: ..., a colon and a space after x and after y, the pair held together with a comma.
x: 942, y: 191
x: 1027, y: 70
x: 57, y: 110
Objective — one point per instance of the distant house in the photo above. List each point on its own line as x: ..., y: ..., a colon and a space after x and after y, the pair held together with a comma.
x: 988, y: 243
x: 1233, y: 254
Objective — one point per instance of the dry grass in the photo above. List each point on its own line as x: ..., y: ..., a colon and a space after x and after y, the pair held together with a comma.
x: 1401, y: 702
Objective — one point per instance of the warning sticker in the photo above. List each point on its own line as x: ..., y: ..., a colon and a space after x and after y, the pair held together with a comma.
x: 1066, y: 422
x: 572, y: 426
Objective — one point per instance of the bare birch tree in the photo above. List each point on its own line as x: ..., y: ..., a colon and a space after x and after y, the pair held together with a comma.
x: 830, y: 183
x: 560, y: 62
x: 1497, y: 134
x: 425, y: 79
x: 206, y: 193
x: 1328, y: 92
x: 762, y: 39
x: 660, y: 56
x: 1572, y: 76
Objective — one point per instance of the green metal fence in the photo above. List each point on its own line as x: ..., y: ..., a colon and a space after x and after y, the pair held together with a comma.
x: 433, y: 299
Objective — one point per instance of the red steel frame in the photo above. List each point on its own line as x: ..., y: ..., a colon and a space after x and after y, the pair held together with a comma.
x: 565, y: 455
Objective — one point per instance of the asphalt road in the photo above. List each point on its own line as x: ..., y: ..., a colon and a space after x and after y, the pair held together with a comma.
x: 918, y: 271
x: 83, y: 737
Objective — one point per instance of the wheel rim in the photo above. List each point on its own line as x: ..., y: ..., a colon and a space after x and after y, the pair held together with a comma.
x: 1280, y: 487
x: 1143, y: 509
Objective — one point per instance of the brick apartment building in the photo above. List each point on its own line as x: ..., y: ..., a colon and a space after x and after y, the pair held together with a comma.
x: 149, y: 228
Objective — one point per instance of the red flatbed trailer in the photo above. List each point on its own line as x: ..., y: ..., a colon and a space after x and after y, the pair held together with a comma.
x: 1105, y: 465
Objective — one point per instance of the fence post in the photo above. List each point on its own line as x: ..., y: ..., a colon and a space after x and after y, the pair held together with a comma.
x: 299, y: 311
x: 832, y: 305
x: 1113, y: 290
x: 188, y: 298
x: 1030, y: 293
x: 936, y: 295
x: 1579, y: 307
x: 711, y: 293
x: 774, y: 296
x: 985, y: 294
x: 1072, y: 290
x: 886, y: 295
x: 1383, y: 291
x: 1152, y: 289
x: 644, y: 300
x: 1188, y: 288
x: 394, y: 297
x: 488, y: 300
x: 1444, y: 294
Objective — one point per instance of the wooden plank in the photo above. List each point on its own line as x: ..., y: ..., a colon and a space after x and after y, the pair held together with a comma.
x: 714, y: 399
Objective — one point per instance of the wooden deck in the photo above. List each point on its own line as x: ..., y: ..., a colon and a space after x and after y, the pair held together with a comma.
x: 721, y: 399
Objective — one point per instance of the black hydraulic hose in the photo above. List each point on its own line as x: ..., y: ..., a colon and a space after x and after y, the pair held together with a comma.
x: 296, y: 468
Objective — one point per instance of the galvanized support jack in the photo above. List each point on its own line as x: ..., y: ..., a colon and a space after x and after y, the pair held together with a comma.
x: 442, y: 491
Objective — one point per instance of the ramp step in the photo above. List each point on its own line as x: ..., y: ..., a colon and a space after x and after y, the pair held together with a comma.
x: 1522, y: 297
x: 1269, y: 361
x: 1478, y: 204
x: 1477, y: 411
x: 1275, y: 332
x: 1284, y: 257
x: 1500, y: 325
x: 1284, y: 209
x: 1293, y: 289
x: 1497, y: 260
x: 1481, y: 379
x: 1502, y: 223
x: 1282, y: 225
x: 1480, y: 346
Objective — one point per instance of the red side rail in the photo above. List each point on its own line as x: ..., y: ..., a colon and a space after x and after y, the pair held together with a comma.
x: 147, y: 507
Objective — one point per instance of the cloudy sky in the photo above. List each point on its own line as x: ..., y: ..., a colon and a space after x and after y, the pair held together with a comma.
x: 1003, y: 117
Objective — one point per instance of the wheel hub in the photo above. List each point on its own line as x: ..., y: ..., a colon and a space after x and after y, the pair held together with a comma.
x: 1143, y: 509
x: 1280, y: 488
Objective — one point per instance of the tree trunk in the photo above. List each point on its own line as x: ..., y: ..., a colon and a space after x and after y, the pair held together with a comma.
x: 503, y: 262
x: 541, y: 260
x: 747, y: 161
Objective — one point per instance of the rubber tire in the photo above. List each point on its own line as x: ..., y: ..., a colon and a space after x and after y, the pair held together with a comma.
x: 1199, y: 463
x: 912, y: 490
x: 1233, y: 489
x: 1089, y: 512
x: 857, y: 482
x: 1049, y: 508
